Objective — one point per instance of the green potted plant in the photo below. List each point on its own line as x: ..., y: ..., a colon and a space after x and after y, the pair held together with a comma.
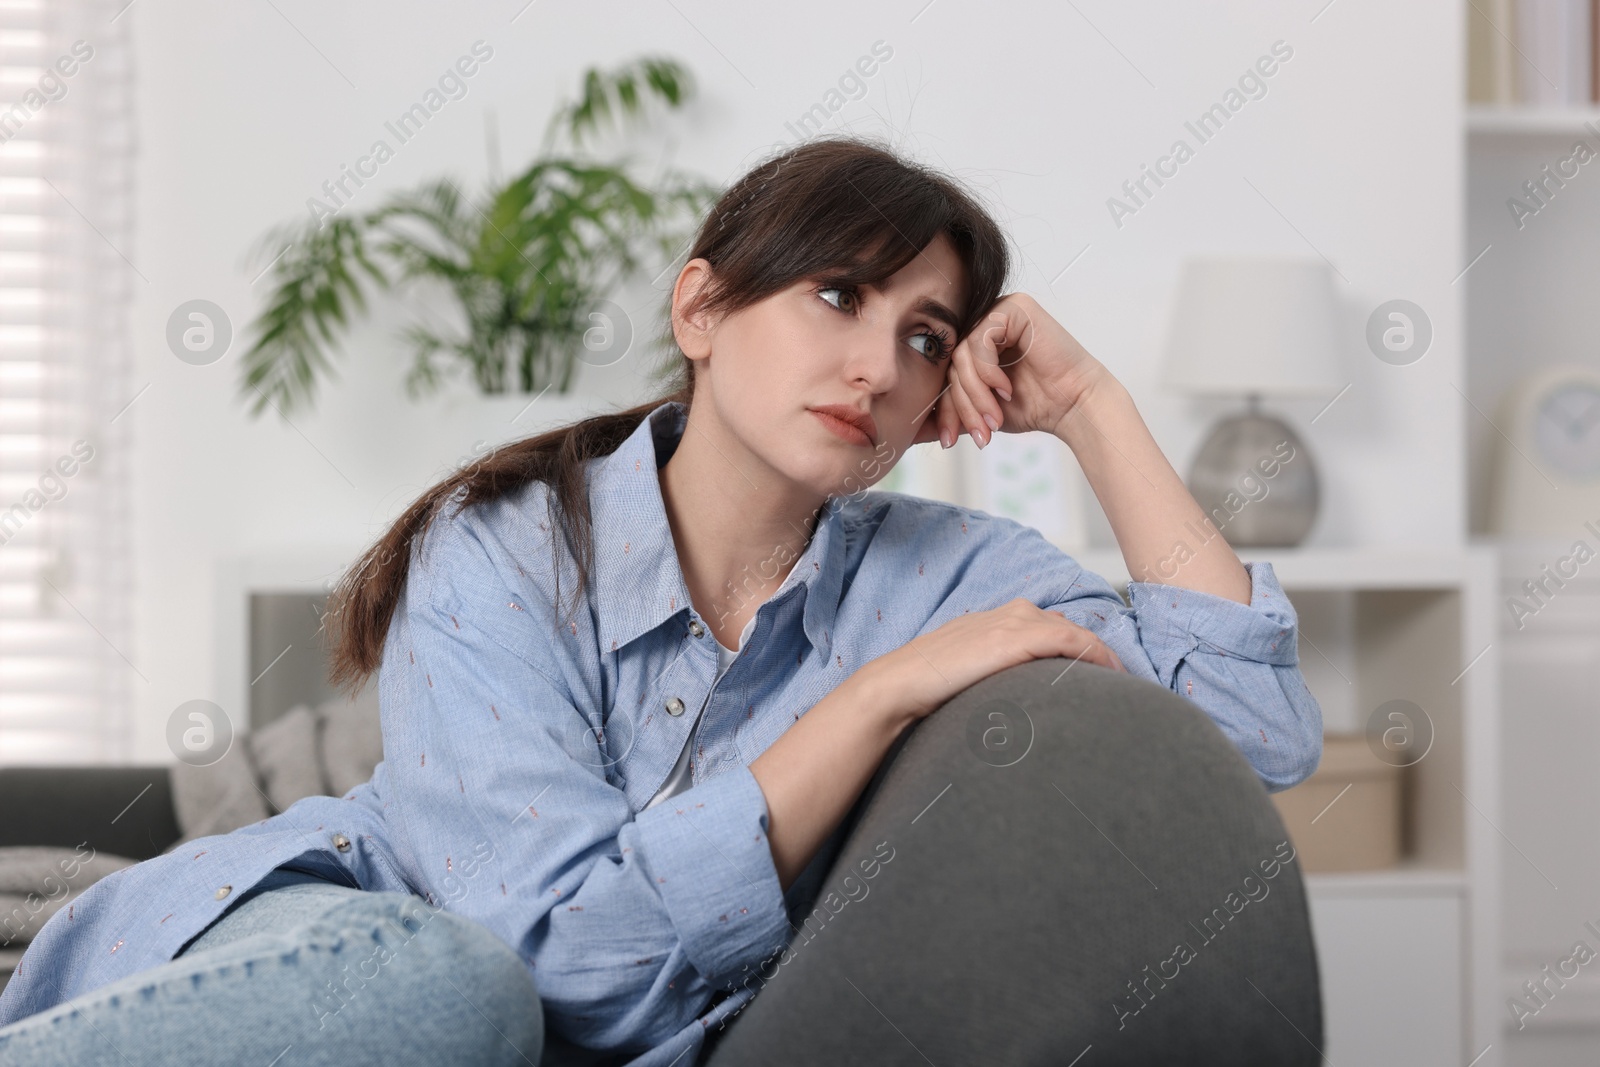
x: 531, y: 263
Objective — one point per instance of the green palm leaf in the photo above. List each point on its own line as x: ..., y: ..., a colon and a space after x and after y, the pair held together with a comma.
x: 525, y: 262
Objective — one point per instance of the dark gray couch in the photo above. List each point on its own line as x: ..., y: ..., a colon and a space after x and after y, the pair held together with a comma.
x: 1170, y: 802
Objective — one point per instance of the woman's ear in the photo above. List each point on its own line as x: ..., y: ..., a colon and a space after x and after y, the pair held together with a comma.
x: 692, y: 327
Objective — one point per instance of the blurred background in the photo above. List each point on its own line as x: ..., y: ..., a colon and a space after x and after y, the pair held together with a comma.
x: 1376, y: 241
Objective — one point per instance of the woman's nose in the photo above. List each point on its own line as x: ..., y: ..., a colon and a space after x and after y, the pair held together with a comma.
x: 874, y: 359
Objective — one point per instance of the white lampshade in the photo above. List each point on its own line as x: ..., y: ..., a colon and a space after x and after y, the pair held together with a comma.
x: 1243, y: 324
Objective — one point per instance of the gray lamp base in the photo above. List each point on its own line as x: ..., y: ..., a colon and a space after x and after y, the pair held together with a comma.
x: 1255, y: 479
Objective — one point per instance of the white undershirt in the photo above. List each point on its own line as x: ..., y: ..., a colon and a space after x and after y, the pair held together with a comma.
x: 680, y: 778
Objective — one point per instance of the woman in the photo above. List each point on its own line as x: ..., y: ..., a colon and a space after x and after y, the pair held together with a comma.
x: 635, y: 672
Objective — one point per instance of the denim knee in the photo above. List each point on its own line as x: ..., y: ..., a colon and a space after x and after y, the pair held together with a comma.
x: 456, y: 985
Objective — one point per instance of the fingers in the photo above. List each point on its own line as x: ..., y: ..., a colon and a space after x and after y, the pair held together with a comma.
x: 976, y: 376
x: 958, y: 416
x: 973, y: 373
x: 945, y: 416
x: 1083, y: 643
x: 963, y: 414
x: 989, y: 341
x: 1019, y: 336
x: 1091, y: 648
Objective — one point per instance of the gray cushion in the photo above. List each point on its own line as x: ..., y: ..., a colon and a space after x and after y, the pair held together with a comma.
x: 9, y: 958
x: 219, y: 798
x: 285, y: 752
x: 38, y: 880
x: 328, y: 751
x: 352, y: 739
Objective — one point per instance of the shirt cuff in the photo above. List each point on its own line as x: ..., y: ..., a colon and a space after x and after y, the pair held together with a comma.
x: 1171, y: 616
x: 708, y: 853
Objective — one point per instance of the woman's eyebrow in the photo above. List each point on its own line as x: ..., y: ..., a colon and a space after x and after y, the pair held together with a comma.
x: 926, y: 306
x: 932, y: 308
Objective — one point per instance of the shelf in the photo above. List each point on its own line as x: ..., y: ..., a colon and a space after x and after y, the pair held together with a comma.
x: 1405, y: 880
x: 1562, y: 121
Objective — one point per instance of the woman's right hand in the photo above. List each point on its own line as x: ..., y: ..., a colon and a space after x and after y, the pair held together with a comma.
x: 925, y: 672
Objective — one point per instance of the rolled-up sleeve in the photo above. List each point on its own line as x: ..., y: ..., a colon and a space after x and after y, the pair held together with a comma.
x: 501, y: 794
x: 1238, y: 662
x: 709, y: 866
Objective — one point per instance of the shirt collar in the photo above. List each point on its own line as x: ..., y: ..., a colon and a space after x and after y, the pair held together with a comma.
x: 636, y: 576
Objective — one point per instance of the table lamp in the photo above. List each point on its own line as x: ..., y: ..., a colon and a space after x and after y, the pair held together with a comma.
x: 1254, y: 326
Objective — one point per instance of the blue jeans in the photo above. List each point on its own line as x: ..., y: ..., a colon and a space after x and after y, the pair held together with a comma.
x: 314, y: 974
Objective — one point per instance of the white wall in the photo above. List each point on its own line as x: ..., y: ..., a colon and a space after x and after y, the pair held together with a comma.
x: 1355, y: 151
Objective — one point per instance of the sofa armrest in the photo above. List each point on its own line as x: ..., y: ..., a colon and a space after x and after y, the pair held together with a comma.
x: 122, y: 811
x: 1107, y: 871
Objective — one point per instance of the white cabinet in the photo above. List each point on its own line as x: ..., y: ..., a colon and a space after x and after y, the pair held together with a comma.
x: 1392, y: 966
x: 1550, y: 736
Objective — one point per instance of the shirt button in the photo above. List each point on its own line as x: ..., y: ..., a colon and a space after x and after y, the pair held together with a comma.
x: 224, y: 891
x: 674, y: 706
x: 696, y: 629
x: 341, y: 842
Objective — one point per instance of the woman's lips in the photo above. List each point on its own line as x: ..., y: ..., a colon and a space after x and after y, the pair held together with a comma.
x: 842, y: 429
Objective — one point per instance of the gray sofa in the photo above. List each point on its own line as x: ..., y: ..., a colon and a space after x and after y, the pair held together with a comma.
x: 63, y: 828
x: 1163, y: 798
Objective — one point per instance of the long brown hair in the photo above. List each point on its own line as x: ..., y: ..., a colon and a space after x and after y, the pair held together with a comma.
x: 841, y: 206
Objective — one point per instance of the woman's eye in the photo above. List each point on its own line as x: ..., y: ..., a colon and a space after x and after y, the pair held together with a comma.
x: 846, y: 299
x: 931, y: 347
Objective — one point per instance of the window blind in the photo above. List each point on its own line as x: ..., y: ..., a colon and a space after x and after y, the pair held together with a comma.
x: 67, y: 672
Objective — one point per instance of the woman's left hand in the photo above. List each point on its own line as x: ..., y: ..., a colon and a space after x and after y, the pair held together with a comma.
x: 1019, y: 366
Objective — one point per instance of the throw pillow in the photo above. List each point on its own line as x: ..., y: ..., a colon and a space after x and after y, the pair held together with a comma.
x: 36, y: 881
x: 219, y: 798
x: 285, y: 752
x: 352, y: 739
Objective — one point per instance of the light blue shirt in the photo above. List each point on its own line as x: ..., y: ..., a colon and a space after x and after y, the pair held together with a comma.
x: 682, y: 775
x: 521, y: 750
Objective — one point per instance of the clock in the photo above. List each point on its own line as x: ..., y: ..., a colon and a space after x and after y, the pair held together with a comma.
x: 1545, y: 477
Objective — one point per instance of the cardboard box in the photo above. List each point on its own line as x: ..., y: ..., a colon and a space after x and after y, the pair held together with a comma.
x: 1346, y: 816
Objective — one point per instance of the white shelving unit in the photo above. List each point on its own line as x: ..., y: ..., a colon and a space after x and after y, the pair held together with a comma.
x: 1519, y: 120
x: 1528, y: 306
x: 1409, y: 956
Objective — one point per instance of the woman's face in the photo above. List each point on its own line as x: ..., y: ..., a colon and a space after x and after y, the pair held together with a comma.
x: 883, y: 351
